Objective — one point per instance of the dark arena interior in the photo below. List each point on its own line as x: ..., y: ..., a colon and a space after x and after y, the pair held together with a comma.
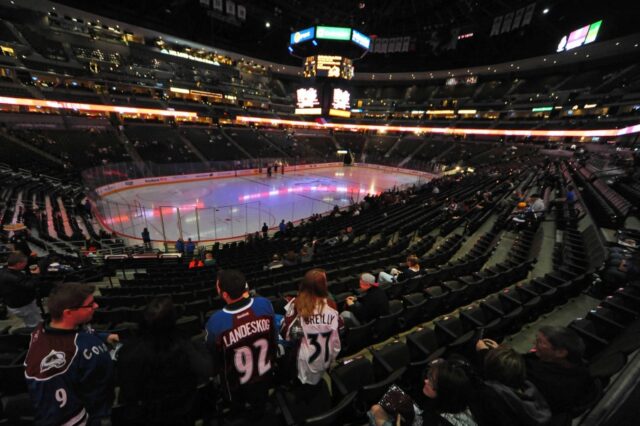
x: 344, y: 212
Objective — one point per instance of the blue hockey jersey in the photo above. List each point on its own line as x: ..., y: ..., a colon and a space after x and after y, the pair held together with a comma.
x: 69, y: 376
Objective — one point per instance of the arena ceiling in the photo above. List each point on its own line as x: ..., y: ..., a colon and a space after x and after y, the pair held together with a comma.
x: 432, y: 25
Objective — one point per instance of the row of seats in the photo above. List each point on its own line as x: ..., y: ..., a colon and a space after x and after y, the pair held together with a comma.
x: 363, y: 382
x: 612, y: 321
x: 609, y: 207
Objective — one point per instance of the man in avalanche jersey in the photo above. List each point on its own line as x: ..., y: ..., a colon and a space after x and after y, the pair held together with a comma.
x: 242, y: 339
x: 68, y: 368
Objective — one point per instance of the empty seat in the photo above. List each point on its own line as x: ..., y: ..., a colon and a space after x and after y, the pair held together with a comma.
x: 531, y: 304
x: 389, y: 358
x: 356, y: 375
x: 491, y: 323
x: 14, y: 342
x: 586, y: 329
x: 189, y: 325
x: 357, y: 338
x: 386, y: 325
x: 17, y: 409
x: 456, y: 335
x: 413, y: 314
x: 423, y: 345
x: 333, y: 416
x: 436, y: 297
x: 12, y: 379
x: 301, y: 403
x: 457, y: 295
x: 550, y: 296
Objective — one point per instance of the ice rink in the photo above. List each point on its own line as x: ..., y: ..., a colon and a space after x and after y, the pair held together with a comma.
x: 226, y: 208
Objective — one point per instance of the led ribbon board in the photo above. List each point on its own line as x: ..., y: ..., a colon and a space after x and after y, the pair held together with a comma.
x: 444, y: 130
x: 333, y: 33
x: 94, y: 107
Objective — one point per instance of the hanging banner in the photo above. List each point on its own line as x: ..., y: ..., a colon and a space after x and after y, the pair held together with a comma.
x: 495, y: 29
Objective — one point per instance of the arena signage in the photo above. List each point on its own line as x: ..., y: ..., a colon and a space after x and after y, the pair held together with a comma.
x: 189, y: 57
x: 580, y: 37
x: 302, y: 35
x: 360, y: 39
x: 136, y: 183
x: 443, y: 130
x: 333, y: 33
x: 38, y: 103
x: 426, y: 175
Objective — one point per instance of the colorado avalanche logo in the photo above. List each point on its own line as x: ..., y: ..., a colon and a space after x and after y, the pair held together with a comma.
x: 53, y: 360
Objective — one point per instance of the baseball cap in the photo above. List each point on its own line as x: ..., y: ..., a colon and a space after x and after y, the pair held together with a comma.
x: 368, y: 279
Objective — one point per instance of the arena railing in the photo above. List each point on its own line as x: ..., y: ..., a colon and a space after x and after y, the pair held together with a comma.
x: 118, y: 172
x: 167, y: 223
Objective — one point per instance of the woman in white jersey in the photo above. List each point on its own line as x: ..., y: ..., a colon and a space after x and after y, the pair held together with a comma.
x: 312, y: 324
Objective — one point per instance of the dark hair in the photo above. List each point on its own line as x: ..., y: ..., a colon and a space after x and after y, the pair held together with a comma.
x: 452, y: 383
x: 506, y: 366
x: 565, y: 338
x: 15, y: 258
x: 413, y: 260
x: 232, y: 282
x: 291, y: 256
x: 67, y: 296
x: 160, y: 316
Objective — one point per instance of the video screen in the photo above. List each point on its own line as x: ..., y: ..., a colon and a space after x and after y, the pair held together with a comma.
x: 308, y: 101
x: 580, y: 37
x: 302, y: 35
x: 340, y: 103
x: 360, y: 39
x: 328, y: 66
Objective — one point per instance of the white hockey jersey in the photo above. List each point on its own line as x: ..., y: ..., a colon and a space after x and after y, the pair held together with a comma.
x: 318, y: 343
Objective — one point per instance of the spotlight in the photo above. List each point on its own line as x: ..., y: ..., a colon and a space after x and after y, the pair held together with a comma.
x: 267, y: 24
x: 545, y: 11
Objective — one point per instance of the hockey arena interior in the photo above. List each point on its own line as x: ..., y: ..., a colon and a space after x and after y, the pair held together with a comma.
x: 354, y: 212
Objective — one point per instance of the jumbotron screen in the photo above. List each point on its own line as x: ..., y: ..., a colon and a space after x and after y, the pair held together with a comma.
x: 580, y: 37
x: 323, y: 100
x: 331, y: 66
x: 340, y: 103
x: 308, y: 101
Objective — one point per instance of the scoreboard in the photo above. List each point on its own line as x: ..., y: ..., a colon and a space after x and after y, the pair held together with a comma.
x: 331, y: 66
x: 323, y: 99
x: 327, y: 54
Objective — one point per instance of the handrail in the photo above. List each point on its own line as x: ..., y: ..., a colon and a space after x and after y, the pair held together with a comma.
x: 117, y: 172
